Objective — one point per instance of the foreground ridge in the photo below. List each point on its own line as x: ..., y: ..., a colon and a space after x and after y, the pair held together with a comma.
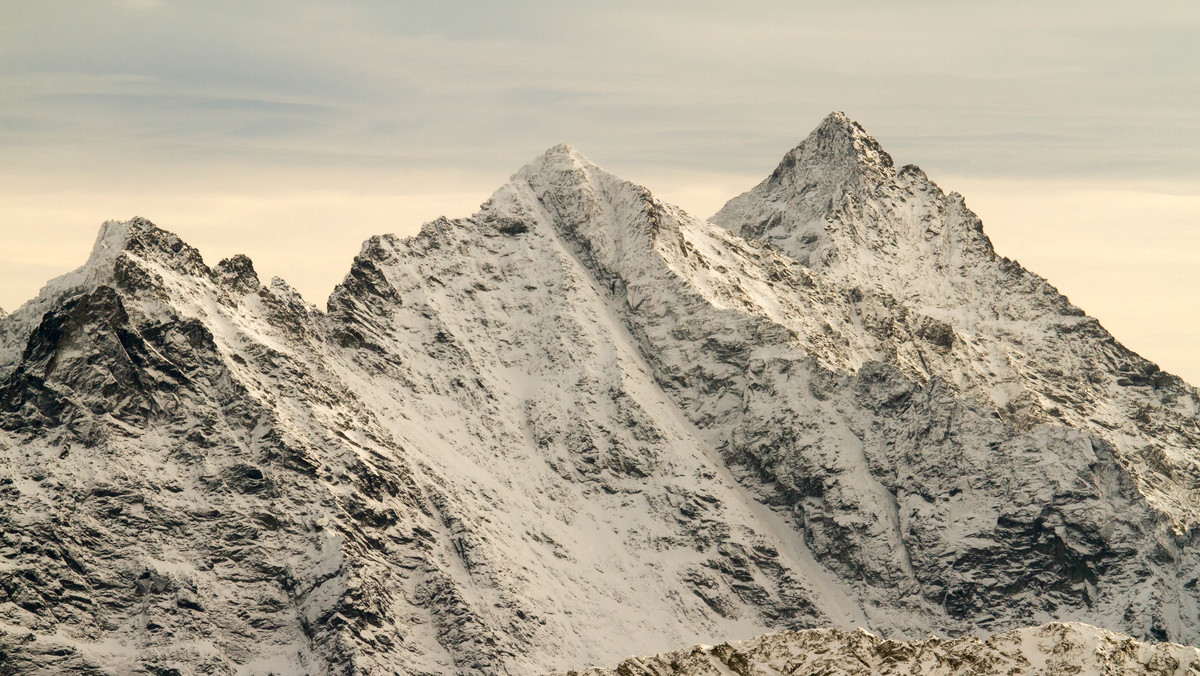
x: 1053, y: 648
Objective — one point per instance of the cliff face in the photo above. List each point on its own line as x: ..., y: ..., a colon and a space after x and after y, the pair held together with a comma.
x: 578, y: 425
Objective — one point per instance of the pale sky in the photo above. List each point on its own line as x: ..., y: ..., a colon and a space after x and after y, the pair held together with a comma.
x: 291, y: 131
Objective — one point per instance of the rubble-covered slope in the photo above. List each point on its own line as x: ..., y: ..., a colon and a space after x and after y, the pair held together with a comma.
x: 577, y: 425
x: 1049, y: 649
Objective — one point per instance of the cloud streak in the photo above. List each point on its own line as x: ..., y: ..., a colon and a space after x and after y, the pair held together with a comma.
x: 469, y: 82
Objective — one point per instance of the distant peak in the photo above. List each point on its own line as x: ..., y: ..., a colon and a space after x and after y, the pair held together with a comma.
x: 237, y: 274
x: 114, y: 237
x: 559, y: 158
x: 837, y: 157
x: 143, y: 238
x: 791, y: 205
x: 839, y: 120
x: 564, y: 149
x: 837, y: 147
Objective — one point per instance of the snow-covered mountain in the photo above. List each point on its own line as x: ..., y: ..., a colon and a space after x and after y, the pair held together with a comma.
x: 1004, y: 336
x: 578, y: 425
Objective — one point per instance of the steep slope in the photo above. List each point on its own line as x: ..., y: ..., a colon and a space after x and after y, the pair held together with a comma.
x: 990, y: 328
x: 162, y: 509
x: 576, y: 410
x: 589, y: 501
x: 210, y: 475
x: 938, y: 512
x: 1049, y: 649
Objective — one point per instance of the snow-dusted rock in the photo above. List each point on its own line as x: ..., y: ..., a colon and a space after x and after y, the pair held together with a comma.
x: 577, y: 425
x: 982, y: 323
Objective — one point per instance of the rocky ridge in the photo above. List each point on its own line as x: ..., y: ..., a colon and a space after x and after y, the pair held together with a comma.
x: 580, y: 408
x: 1048, y: 649
x: 997, y: 332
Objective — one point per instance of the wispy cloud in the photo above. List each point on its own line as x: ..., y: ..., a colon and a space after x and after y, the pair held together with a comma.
x: 964, y: 87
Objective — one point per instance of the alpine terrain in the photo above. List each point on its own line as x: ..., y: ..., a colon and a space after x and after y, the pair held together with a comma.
x: 1053, y: 648
x: 582, y: 424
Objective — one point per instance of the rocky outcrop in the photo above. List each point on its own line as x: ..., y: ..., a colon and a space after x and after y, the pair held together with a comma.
x: 1049, y: 649
x: 237, y: 275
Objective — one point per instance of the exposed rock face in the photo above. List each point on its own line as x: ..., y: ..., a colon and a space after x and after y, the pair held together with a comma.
x: 579, y: 410
x: 1049, y: 649
x: 237, y: 275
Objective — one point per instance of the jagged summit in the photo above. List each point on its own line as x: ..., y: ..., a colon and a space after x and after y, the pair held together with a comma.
x: 561, y: 165
x: 838, y: 155
x: 838, y: 143
x: 237, y: 274
x: 562, y: 152
x: 141, y: 237
x: 114, y: 234
x: 140, y: 259
x: 791, y: 206
x: 125, y: 253
x: 564, y: 183
x: 558, y: 159
x: 837, y: 201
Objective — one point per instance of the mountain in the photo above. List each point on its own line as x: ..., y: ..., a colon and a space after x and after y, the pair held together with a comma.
x: 1003, y: 336
x: 582, y: 424
x: 1049, y: 649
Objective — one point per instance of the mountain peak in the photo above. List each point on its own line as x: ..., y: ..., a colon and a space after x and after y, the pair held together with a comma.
x: 561, y: 158
x: 140, y: 237
x: 813, y: 206
x: 839, y: 121
x: 790, y: 207
x: 237, y: 274
x: 564, y: 149
x: 115, y: 235
x: 838, y: 150
x: 119, y: 259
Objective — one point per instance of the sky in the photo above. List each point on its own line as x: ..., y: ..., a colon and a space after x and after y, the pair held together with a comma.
x: 292, y: 131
